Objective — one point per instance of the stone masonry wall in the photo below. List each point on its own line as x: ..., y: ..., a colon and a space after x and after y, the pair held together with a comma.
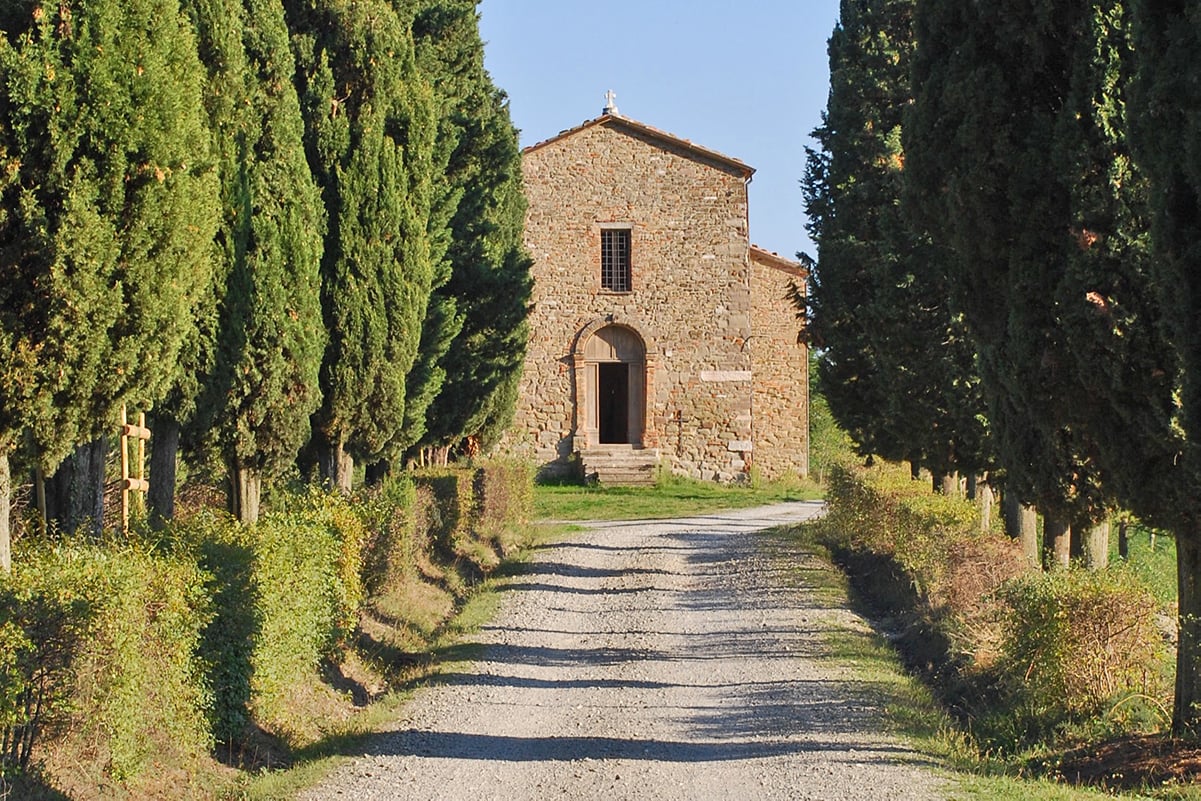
x: 781, y: 367
x: 690, y: 300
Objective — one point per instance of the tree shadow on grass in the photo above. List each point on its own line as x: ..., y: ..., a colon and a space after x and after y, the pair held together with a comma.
x: 31, y: 786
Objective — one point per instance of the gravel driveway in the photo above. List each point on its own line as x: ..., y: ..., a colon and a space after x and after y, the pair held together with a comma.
x: 661, y: 660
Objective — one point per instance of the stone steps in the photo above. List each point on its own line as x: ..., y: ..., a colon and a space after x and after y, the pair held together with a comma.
x: 624, y: 466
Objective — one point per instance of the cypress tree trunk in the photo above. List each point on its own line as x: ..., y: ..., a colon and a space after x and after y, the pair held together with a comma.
x: 973, y: 485
x: 6, y: 556
x: 246, y: 487
x: 337, y: 466
x: 1057, y: 543
x: 1124, y: 540
x: 164, y: 447
x: 986, y: 501
x: 1021, y: 523
x: 75, y: 493
x: 1096, y: 546
x: 1028, y: 534
x: 1187, y: 711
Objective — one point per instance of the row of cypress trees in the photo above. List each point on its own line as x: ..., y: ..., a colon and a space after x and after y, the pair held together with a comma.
x: 283, y: 226
x: 1006, y: 200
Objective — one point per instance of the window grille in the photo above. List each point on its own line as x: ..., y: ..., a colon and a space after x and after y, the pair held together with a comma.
x: 615, y: 259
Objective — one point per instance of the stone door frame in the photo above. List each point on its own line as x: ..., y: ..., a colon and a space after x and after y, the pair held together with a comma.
x: 643, y: 431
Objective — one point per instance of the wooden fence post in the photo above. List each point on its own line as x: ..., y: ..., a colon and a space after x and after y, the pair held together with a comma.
x: 129, y: 482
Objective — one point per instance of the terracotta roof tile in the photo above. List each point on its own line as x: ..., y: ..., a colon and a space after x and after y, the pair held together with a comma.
x: 772, y: 259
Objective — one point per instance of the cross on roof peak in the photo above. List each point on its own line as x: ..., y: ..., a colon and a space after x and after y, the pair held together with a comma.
x: 610, y: 102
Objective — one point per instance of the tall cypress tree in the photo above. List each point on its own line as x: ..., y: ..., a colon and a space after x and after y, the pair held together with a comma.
x: 878, y: 304
x: 370, y: 128
x: 442, y: 321
x: 987, y: 176
x: 1160, y: 469
x: 489, y: 286
x: 109, y: 209
x: 262, y: 385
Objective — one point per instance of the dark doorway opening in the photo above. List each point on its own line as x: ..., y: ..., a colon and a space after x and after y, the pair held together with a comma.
x: 613, y: 394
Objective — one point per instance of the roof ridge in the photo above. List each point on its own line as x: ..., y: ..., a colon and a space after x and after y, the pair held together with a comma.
x: 658, y: 133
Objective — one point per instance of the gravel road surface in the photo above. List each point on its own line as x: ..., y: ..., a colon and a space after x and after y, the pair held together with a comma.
x: 661, y: 660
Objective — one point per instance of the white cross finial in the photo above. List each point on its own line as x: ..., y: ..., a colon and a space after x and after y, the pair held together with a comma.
x: 610, y: 102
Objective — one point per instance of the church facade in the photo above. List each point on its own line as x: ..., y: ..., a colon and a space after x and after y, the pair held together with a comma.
x: 660, y: 337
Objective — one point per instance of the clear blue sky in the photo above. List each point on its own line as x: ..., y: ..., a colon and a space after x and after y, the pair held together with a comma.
x: 747, y: 79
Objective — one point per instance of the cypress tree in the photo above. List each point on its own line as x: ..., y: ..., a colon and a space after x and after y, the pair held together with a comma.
x: 370, y: 128
x: 109, y: 207
x: 1161, y: 474
x: 442, y: 320
x: 489, y: 287
x: 262, y: 384
x: 878, y: 305
x: 988, y: 176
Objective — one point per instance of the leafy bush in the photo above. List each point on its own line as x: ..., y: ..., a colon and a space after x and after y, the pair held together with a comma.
x: 477, y: 515
x: 129, y: 660
x: 105, y: 643
x: 1020, y: 654
x: 45, y: 617
x: 392, y: 549
x: 450, y: 518
x: 226, y: 550
x: 935, y: 539
x: 287, y: 594
x: 505, y: 493
x: 1078, y: 639
x: 305, y: 577
x: 432, y: 537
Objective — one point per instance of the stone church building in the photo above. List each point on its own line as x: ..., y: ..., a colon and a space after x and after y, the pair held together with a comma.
x: 660, y: 336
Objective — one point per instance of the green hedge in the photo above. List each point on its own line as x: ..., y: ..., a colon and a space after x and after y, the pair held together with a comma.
x: 109, y: 635
x: 1020, y: 653
x: 139, y: 657
x: 287, y: 593
x: 478, y: 515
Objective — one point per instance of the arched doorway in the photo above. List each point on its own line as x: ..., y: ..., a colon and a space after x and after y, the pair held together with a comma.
x: 614, y: 373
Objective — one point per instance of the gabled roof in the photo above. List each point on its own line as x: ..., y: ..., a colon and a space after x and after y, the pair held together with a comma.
x: 616, y: 120
x: 772, y: 259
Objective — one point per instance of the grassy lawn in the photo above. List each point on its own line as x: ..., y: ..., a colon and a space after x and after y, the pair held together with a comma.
x: 674, y: 497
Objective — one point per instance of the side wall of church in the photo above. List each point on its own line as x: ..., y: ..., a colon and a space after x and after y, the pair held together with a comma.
x: 690, y: 298
x: 781, y: 366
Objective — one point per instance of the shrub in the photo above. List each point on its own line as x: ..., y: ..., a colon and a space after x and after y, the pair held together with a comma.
x: 306, y: 581
x: 392, y: 549
x: 505, y: 493
x: 1020, y: 654
x: 287, y: 594
x: 226, y: 550
x: 935, y: 539
x: 450, y: 516
x: 45, y: 617
x: 106, y: 639
x: 454, y: 520
x: 1077, y: 639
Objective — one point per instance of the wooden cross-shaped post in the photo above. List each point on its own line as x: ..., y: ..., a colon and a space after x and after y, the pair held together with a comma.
x: 130, y: 482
